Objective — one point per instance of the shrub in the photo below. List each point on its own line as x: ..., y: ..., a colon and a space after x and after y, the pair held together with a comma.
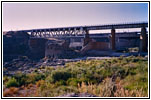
x: 5, y: 79
x: 33, y: 77
x: 60, y: 75
x: 106, y: 72
x: 73, y: 81
x: 40, y: 82
x: 25, y: 79
x: 21, y: 78
x: 12, y: 83
x: 60, y: 82
x: 92, y: 77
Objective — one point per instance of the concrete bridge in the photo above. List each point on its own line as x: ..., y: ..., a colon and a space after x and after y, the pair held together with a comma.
x: 36, y: 42
x: 115, y: 39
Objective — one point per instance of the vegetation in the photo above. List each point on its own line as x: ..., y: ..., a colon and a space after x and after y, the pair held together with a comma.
x: 116, y: 77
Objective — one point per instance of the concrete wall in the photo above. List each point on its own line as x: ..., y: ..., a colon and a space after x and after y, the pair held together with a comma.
x: 76, y: 42
x: 59, y: 49
x: 53, y: 50
x: 103, y: 41
x: 100, y: 46
x: 127, y: 42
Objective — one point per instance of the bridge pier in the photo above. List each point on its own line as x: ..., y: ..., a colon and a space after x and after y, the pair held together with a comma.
x: 113, y: 39
x: 143, y: 40
x: 86, y: 38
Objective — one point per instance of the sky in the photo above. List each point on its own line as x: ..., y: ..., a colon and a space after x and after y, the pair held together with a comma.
x: 22, y: 16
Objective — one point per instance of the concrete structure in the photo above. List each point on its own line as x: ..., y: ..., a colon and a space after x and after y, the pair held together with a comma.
x: 76, y: 42
x: 84, y: 30
x: 113, y: 38
x: 87, y: 38
x: 55, y: 47
x: 143, y: 37
x: 123, y: 40
x: 113, y: 41
x: 127, y: 40
x: 37, y: 45
x: 101, y: 42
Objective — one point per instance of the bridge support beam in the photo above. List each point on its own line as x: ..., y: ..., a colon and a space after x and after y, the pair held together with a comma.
x: 113, y: 39
x: 143, y: 40
x: 86, y: 38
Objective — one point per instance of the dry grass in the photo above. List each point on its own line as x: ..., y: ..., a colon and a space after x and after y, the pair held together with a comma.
x: 109, y: 89
x: 121, y: 92
x: 40, y: 82
x: 29, y: 86
x: 106, y: 89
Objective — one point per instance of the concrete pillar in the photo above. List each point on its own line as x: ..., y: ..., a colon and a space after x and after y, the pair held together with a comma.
x: 113, y: 39
x: 86, y: 38
x: 143, y: 40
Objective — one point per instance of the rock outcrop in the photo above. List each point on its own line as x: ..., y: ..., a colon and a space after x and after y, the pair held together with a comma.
x: 37, y: 48
x: 15, y: 44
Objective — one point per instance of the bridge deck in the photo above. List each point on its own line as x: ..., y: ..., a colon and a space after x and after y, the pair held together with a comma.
x: 93, y: 27
x: 75, y: 31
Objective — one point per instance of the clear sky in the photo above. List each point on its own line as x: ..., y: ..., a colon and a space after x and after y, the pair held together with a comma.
x: 20, y: 16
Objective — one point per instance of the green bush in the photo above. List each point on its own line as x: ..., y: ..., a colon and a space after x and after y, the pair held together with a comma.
x: 5, y: 79
x: 21, y: 78
x: 73, y: 81
x: 25, y: 79
x: 60, y: 75
x: 106, y: 72
x: 33, y: 77
x: 12, y: 82
x: 61, y: 82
